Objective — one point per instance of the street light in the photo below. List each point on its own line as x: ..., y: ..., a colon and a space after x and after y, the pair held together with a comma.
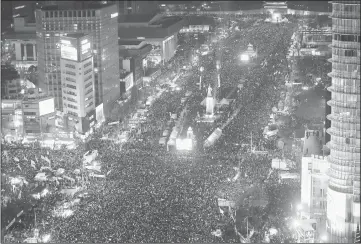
x: 218, y: 66
x: 200, y: 78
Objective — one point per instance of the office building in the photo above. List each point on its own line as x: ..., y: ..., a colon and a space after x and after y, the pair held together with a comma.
x: 98, y: 20
x: 159, y: 31
x: 27, y: 114
x: 77, y: 78
x: 24, y: 9
x: 137, y: 7
x: 343, y: 202
x: 133, y: 55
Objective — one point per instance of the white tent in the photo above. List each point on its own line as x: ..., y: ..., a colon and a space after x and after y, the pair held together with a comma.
x: 165, y: 133
x: 162, y: 140
x: 224, y: 102
x: 93, y: 167
x: 40, y: 177
x: 60, y: 171
x: 70, y: 191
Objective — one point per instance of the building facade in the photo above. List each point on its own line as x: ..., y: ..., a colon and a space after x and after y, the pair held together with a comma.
x: 12, y: 124
x: 343, y: 203
x: 126, y: 83
x: 100, y: 21
x: 77, y: 78
x: 314, y: 183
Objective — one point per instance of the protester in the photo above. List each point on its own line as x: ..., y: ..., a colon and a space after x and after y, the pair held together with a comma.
x: 150, y: 195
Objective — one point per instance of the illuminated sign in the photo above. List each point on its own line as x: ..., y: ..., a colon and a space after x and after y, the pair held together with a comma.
x: 85, y: 48
x: 84, y: 41
x: 7, y: 106
x: 69, y: 52
x: 65, y: 42
x: 114, y: 15
x: 46, y: 106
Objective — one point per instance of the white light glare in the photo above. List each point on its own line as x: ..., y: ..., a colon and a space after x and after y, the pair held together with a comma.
x: 299, y: 207
x: 244, y: 57
x: 324, y: 238
x: 295, y: 223
x: 46, y: 238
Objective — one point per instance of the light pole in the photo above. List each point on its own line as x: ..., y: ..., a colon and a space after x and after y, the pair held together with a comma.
x: 200, y: 78
x: 218, y: 66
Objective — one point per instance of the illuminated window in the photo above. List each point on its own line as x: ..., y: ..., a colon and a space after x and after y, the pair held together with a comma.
x: 71, y: 86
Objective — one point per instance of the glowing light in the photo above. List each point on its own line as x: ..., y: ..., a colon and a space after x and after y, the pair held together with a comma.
x: 305, y: 88
x: 19, y: 7
x: 295, y: 223
x: 68, y: 52
x: 46, y: 238
x: 273, y: 231
x: 324, y: 238
x: 299, y: 207
x: 244, y: 57
x: 46, y: 106
x: 114, y: 15
x: 85, y: 48
x: 84, y: 41
x: 44, y: 192
x: 184, y: 144
x: 276, y: 16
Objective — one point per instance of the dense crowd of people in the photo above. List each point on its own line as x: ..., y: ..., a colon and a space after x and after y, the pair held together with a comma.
x: 150, y: 195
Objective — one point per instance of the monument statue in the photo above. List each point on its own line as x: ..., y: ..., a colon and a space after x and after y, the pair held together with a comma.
x: 209, y: 103
x: 209, y: 93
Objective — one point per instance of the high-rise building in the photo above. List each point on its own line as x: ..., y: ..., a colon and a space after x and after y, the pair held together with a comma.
x: 77, y: 78
x: 137, y: 7
x: 98, y: 20
x: 24, y: 9
x: 343, y: 194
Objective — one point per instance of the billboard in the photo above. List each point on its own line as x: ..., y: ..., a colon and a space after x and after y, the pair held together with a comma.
x: 46, y: 106
x: 69, y: 52
x: 86, y: 51
x: 99, y: 114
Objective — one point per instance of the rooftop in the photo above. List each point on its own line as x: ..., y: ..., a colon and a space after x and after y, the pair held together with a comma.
x: 124, y: 73
x: 129, y: 42
x: 74, y: 5
x: 136, y: 18
x: 166, y: 22
x: 312, y: 145
x: 20, y: 35
x: 197, y: 20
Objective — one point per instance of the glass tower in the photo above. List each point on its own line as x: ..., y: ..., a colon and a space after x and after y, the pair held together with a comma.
x: 97, y: 20
x: 343, y: 200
